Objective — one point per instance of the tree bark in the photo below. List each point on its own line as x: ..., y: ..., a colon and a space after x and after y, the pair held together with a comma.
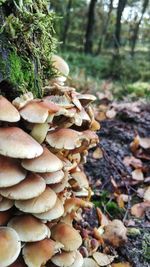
x: 90, y: 26
x: 136, y: 28
x: 117, y: 36
x: 67, y: 22
x: 104, y: 31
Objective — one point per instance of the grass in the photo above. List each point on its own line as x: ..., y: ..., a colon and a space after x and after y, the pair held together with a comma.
x: 128, y: 77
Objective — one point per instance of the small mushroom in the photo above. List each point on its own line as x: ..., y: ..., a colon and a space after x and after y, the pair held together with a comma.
x: 78, y: 260
x: 10, y: 246
x: 6, y: 204
x: 53, y: 177
x: 64, y: 259
x: 7, y: 111
x: 89, y: 262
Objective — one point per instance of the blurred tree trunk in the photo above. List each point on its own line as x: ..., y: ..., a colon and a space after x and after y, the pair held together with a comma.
x: 104, y: 31
x: 90, y: 26
x: 117, y: 36
x: 67, y: 22
x: 137, y: 26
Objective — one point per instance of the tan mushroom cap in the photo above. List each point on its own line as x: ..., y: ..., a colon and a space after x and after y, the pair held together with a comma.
x: 64, y: 138
x: 60, y: 100
x: 53, y: 177
x: 40, y: 204
x: 38, y: 253
x: 85, y: 99
x: 52, y: 214
x: 64, y: 259
x: 29, y: 188
x: 81, y: 179
x: 78, y: 260
x: 29, y: 228
x: 47, y: 162
x: 73, y: 203
x: 6, y: 204
x: 7, y: 111
x: 39, y: 132
x: 59, y: 187
x: 66, y: 235
x: 5, y: 217
x: 37, y: 112
x: 88, y: 262
x: 11, y: 172
x: 15, y: 143
x: 10, y: 246
x: 60, y: 64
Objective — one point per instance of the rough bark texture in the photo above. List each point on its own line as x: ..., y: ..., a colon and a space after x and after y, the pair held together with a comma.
x: 90, y: 26
x: 120, y: 8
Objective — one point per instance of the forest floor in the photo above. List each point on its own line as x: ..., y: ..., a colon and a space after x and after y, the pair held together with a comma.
x: 119, y: 174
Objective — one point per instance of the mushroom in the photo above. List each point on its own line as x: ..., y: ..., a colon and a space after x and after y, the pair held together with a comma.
x: 38, y: 253
x: 56, y: 212
x: 11, y: 172
x: 53, y: 177
x: 40, y: 204
x: 81, y: 179
x: 64, y: 139
x: 78, y: 260
x: 47, y: 162
x: 6, y: 204
x: 67, y: 235
x: 39, y: 132
x: 15, y: 143
x: 29, y: 188
x: 64, y: 259
x: 59, y: 187
x: 74, y: 203
x: 10, y: 246
x: 29, y: 228
x: 7, y: 111
x: 61, y: 66
x: 89, y: 262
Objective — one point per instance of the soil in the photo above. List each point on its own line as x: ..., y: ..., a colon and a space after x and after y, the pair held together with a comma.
x: 109, y: 172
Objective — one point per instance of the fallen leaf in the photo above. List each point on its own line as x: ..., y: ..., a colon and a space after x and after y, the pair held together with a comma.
x: 111, y: 113
x: 135, y: 143
x: 101, y: 217
x: 100, y: 116
x: 137, y: 175
x: 121, y: 264
x: 134, y: 162
x: 139, y: 209
x: 115, y: 233
x: 144, y: 142
x: 103, y: 259
x: 98, y: 153
x: 147, y: 194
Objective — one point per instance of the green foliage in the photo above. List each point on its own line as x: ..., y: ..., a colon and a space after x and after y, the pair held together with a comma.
x: 30, y: 32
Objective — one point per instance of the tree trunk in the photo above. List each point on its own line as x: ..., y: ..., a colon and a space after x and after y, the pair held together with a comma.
x: 104, y: 31
x: 90, y: 26
x: 117, y: 38
x: 67, y: 22
x: 136, y: 28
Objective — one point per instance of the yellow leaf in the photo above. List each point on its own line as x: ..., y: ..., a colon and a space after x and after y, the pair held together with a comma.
x: 97, y: 154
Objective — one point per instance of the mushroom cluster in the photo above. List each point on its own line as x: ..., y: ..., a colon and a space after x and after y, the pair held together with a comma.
x: 43, y: 143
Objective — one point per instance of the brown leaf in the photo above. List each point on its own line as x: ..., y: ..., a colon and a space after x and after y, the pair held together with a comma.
x: 103, y: 259
x: 115, y: 233
x: 137, y: 175
x: 147, y: 194
x: 101, y: 217
x: 139, y: 209
x: 98, y: 153
x: 135, y: 143
x: 134, y: 162
x: 121, y: 264
x: 100, y: 116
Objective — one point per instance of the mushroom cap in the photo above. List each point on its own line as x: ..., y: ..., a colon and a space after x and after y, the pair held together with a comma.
x: 10, y: 246
x: 47, y: 162
x: 53, y: 177
x: 29, y: 228
x: 60, y: 64
x: 88, y: 262
x: 39, y: 132
x: 85, y: 99
x: 78, y: 260
x: 60, y: 100
x: 7, y: 111
x: 37, y: 112
x: 52, y: 214
x: 73, y: 203
x: 40, y: 204
x: 64, y: 138
x: 81, y: 179
x: 6, y: 204
x: 11, y: 172
x: 38, y: 253
x: 66, y: 235
x: 29, y: 188
x: 15, y: 143
x: 64, y: 259
x: 59, y: 187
